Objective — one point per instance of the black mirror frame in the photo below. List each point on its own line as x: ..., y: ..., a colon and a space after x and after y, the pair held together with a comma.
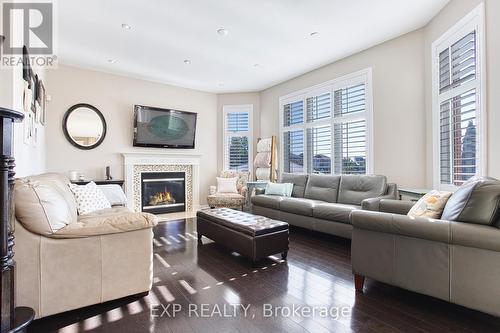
x: 65, y: 128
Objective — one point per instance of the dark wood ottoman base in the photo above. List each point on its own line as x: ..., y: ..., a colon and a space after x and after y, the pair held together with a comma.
x: 253, y: 246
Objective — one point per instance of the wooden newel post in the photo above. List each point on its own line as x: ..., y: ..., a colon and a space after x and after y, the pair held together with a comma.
x: 13, y: 319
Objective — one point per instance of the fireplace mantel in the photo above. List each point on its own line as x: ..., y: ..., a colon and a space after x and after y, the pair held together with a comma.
x: 132, y: 160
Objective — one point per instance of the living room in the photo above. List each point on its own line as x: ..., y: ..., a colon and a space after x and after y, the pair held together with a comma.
x: 261, y: 166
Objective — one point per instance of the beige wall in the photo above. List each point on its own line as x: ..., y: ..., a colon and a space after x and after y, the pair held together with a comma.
x: 446, y: 18
x: 115, y: 96
x: 398, y: 104
x: 30, y: 158
x: 236, y: 99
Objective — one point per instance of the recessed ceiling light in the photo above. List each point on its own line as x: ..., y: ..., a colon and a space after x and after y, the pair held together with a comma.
x: 126, y: 26
x: 187, y: 61
x: 221, y: 84
x: 222, y: 32
x: 112, y: 61
x: 256, y: 65
x: 314, y: 34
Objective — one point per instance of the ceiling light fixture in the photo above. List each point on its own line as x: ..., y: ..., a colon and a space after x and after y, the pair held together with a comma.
x: 126, y: 26
x: 256, y: 65
x: 314, y: 34
x: 187, y: 61
x: 222, y: 32
x: 112, y: 61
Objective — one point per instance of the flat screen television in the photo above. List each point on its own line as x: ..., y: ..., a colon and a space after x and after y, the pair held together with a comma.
x: 164, y: 128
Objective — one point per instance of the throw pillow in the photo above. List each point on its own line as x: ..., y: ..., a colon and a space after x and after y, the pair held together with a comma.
x: 114, y: 194
x: 476, y: 201
x: 430, y: 205
x: 282, y: 189
x: 89, y: 198
x: 227, y: 185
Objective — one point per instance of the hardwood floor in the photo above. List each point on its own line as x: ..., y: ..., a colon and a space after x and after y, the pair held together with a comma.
x: 317, y: 274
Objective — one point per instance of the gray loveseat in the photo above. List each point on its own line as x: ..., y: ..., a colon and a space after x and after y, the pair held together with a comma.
x: 324, y: 202
x: 455, y: 258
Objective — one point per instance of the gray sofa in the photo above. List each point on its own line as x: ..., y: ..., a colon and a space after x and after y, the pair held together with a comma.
x: 455, y: 258
x: 324, y: 202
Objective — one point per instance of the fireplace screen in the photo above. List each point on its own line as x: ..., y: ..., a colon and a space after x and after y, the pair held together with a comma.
x: 163, y: 192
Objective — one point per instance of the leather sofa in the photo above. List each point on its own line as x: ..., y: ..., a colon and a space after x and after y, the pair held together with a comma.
x: 324, y: 202
x: 65, y: 261
x: 456, y: 258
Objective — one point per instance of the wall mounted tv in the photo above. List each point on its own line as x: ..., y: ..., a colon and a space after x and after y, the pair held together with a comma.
x: 164, y: 128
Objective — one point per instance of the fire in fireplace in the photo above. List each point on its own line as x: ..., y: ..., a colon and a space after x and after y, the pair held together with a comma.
x: 163, y: 192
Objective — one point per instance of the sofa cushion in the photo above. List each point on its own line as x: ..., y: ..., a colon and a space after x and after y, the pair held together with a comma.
x: 322, y: 187
x: 114, y: 193
x: 300, y: 206
x: 269, y: 201
x: 430, y: 205
x: 476, y: 201
x: 107, y: 221
x: 299, y: 183
x: 89, y: 198
x: 281, y: 189
x: 62, y: 183
x: 356, y: 188
x: 41, y: 206
x: 334, y: 212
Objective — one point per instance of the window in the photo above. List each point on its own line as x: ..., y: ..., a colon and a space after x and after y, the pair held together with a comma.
x: 326, y: 128
x: 237, y: 137
x: 458, y: 108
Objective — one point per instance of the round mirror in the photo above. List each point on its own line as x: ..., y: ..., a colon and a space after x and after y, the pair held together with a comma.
x: 84, y: 126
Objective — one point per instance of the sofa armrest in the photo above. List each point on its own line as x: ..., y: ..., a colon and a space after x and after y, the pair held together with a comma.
x: 401, y: 207
x: 243, y: 191
x: 260, y: 191
x: 424, y: 228
x: 392, y: 191
x: 374, y: 204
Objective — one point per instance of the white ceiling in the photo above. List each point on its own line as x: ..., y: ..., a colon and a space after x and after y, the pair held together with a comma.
x: 272, y: 33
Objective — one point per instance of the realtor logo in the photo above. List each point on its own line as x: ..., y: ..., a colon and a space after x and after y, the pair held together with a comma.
x: 30, y: 25
x: 28, y: 34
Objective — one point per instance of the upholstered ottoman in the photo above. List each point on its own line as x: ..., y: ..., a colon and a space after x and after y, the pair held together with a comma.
x: 250, y: 235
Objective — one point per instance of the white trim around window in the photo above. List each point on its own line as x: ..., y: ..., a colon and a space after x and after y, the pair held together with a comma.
x: 233, y: 109
x: 472, y: 22
x: 362, y: 77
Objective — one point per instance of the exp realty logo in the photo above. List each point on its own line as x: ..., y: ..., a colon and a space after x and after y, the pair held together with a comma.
x: 29, y: 30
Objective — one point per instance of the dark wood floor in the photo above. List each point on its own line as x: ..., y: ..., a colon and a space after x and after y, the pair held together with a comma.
x: 316, y: 274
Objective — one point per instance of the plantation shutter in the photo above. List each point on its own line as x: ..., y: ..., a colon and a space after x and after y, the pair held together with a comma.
x: 350, y: 100
x: 293, y: 144
x: 458, y: 138
x: 237, y: 143
x: 319, y: 107
x: 294, y: 113
x: 350, y: 147
x: 319, y: 146
x: 350, y: 130
x: 461, y: 66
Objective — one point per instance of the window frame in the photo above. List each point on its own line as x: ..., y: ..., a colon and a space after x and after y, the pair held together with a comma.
x: 363, y: 76
x: 237, y: 108
x: 472, y: 21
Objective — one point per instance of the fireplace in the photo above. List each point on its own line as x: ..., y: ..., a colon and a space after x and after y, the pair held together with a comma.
x: 163, y: 192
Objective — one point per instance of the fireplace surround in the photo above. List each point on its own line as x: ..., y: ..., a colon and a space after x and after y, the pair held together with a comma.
x: 138, y: 163
x: 163, y: 192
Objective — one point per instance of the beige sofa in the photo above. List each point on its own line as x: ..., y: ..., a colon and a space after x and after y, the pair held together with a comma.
x: 65, y: 261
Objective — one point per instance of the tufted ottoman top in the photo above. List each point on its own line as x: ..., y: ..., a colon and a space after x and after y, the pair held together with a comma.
x: 253, y: 225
